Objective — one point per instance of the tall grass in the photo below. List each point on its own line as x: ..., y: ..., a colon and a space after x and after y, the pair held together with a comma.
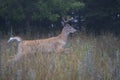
x: 92, y: 58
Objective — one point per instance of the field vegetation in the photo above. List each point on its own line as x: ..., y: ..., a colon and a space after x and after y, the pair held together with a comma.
x: 91, y: 58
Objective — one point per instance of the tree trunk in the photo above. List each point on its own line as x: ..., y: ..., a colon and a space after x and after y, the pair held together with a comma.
x: 28, y: 28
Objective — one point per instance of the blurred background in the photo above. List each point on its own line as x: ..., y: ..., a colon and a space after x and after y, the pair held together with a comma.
x: 28, y: 17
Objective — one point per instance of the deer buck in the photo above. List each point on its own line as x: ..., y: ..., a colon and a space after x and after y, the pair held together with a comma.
x: 50, y: 45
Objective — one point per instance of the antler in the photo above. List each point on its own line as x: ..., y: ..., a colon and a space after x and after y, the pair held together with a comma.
x: 65, y: 21
x: 68, y: 19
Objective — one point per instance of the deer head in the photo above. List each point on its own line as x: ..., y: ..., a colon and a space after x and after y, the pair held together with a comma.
x: 67, y: 28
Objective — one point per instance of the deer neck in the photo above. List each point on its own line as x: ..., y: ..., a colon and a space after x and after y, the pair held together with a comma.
x: 63, y: 36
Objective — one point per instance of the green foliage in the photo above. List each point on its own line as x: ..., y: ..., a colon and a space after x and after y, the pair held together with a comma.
x: 102, y: 16
x: 102, y: 8
x: 11, y: 9
x: 37, y: 9
x: 77, y: 5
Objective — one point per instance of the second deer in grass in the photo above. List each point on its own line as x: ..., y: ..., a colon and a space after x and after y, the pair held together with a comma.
x: 50, y: 45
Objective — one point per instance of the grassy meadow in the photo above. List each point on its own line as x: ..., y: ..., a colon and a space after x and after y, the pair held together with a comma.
x: 91, y: 58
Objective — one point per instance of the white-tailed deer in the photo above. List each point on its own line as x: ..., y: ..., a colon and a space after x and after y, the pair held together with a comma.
x: 50, y: 45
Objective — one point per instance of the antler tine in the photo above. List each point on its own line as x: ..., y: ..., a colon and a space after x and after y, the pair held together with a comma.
x: 69, y: 19
x: 63, y: 21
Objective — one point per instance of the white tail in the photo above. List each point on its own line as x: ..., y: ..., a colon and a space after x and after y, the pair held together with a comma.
x: 15, y: 38
x: 50, y: 45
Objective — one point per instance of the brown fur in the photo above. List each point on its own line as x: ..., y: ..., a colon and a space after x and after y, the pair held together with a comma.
x: 50, y: 45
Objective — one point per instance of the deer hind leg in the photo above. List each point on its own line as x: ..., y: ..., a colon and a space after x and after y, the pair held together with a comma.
x: 16, y: 58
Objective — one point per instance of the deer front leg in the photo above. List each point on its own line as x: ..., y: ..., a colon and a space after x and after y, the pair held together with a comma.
x: 63, y: 50
x: 67, y: 50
